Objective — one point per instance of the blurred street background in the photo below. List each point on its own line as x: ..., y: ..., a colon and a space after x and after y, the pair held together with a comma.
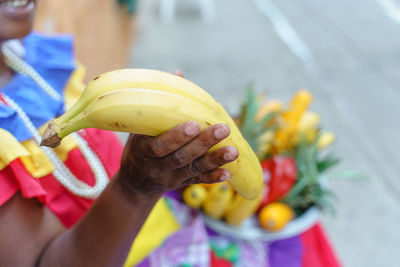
x: 347, y: 53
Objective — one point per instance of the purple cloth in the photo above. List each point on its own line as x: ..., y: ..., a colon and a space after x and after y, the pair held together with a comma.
x: 285, y: 253
x: 144, y: 263
x: 191, y: 246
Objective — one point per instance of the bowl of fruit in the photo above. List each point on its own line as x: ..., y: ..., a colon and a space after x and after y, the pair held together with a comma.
x: 289, y: 143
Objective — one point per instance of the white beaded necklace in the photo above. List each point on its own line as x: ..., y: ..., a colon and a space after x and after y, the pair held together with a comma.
x: 61, y: 173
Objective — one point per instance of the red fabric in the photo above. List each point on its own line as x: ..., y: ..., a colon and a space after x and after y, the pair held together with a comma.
x: 68, y: 207
x: 218, y: 262
x: 15, y: 178
x: 317, y: 250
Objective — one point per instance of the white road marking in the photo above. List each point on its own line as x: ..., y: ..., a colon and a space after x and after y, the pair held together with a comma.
x: 287, y: 33
x: 391, y: 9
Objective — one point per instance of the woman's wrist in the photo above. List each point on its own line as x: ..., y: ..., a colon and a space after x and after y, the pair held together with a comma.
x: 124, y: 187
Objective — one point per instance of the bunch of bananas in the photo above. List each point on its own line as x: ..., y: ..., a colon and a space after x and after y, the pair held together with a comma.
x: 220, y: 202
x: 150, y: 102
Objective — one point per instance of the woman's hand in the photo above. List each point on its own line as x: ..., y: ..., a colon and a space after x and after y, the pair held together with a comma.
x: 178, y: 157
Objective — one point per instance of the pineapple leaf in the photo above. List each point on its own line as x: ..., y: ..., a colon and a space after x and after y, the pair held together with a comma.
x: 326, y: 163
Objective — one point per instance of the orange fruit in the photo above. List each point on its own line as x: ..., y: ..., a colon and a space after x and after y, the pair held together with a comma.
x: 275, y: 216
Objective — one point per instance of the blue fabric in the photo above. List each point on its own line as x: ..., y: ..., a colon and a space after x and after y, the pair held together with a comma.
x: 53, y: 58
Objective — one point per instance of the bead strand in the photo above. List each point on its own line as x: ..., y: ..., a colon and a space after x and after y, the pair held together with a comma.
x: 20, y: 66
x: 61, y: 173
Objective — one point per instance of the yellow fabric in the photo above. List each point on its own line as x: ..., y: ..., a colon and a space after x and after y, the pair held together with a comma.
x: 10, y: 148
x: 160, y: 224
x: 32, y: 156
x: 36, y: 163
x: 75, y: 85
x: 67, y: 144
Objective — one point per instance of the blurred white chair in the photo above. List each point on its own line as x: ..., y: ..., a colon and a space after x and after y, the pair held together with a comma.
x: 167, y: 10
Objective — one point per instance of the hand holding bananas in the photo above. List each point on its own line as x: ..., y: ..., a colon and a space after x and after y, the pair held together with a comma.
x: 177, y: 157
x: 152, y: 102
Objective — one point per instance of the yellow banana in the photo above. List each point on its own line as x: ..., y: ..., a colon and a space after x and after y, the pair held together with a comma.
x: 151, y: 112
x: 144, y: 79
x: 218, y: 200
x: 241, y: 209
x: 138, y: 78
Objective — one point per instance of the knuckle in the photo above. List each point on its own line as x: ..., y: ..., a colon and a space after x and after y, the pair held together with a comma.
x: 157, y: 148
x: 194, y: 169
x: 178, y: 157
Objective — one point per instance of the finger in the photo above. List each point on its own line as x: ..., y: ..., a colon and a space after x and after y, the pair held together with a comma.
x: 178, y: 73
x: 167, y: 142
x: 215, y: 176
x: 208, y: 162
x: 195, y: 148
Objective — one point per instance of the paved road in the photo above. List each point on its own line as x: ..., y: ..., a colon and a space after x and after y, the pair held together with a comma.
x: 346, y: 52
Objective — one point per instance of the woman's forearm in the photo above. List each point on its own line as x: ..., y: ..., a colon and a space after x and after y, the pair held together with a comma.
x: 150, y: 166
x: 105, y: 234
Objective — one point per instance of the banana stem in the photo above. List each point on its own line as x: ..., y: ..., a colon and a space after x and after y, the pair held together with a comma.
x: 72, y: 112
x: 50, y: 137
x: 55, y: 132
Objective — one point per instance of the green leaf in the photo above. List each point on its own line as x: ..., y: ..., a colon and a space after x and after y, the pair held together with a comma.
x: 326, y: 163
x: 250, y: 129
x: 300, y: 185
x: 251, y: 109
x: 260, y: 126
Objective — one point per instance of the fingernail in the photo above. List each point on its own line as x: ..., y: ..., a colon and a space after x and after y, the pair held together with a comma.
x: 191, y: 128
x: 230, y: 155
x: 221, y: 131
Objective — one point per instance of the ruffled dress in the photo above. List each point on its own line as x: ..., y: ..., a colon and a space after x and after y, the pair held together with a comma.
x: 25, y: 168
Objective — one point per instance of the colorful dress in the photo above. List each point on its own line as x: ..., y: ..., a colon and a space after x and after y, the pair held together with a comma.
x: 173, y: 235
x: 25, y: 168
